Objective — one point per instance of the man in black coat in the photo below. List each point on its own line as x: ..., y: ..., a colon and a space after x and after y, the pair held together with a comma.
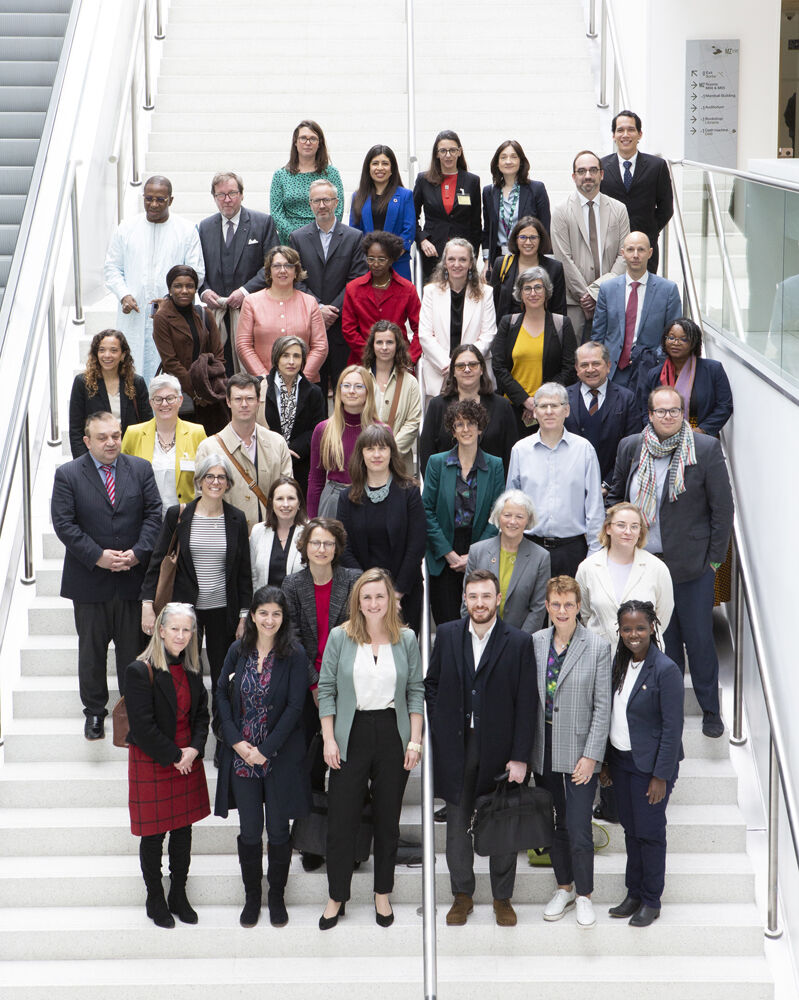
x: 331, y: 255
x: 639, y: 181
x: 234, y: 242
x: 481, y: 700
x: 106, y: 509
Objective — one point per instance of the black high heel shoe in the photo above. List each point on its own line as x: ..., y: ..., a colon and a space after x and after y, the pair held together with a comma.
x: 325, y: 923
x: 383, y: 920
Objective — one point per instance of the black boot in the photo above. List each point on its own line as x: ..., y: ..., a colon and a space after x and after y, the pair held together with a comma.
x: 179, y: 859
x: 150, y: 858
x: 276, y: 875
x: 251, y: 859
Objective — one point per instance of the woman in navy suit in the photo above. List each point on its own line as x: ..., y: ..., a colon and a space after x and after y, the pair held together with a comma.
x: 644, y: 754
x: 510, y: 197
x: 382, y: 203
x: 702, y: 383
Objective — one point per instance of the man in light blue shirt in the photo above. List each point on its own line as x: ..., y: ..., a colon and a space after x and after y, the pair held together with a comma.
x: 559, y: 471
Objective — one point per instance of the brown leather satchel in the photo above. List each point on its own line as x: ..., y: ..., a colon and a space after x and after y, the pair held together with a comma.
x: 251, y: 484
x: 119, y: 717
x: 167, y: 570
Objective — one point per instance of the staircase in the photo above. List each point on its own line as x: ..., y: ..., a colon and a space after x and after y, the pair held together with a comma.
x: 72, y: 921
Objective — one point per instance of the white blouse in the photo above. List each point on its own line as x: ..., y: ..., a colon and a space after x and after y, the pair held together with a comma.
x: 619, y: 730
x: 164, y: 472
x: 374, y: 682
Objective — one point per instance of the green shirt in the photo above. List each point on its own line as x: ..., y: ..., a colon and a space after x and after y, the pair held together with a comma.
x: 289, y: 199
x: 507, y: 560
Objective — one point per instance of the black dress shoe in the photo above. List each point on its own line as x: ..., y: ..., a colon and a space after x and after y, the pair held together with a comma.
x: 325, y: 923
x: 310, y: 862
x: 644, y: 916
x: 712, y: 725
x: 440, y: 815
x: 93, y: 728
x: 626, y: 908
x: 383, y: 920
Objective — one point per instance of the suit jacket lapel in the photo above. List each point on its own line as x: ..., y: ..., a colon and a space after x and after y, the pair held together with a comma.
x: 573, y: 654
x: 610, y: 396
x: 579, y: 215
x: 392, y: 209
x: 335, y: 240
x: 541, y: 643
x: 338, y: 596
x: 308, y: 605
x: 121, y: 480
x: 492, y: 654
x: 483, y: 499
x: 637, y: 572
x: 519, y: 568
x: 163, y: 679
x: 644, y: 673
x: 651, y: 292
x: 367, y: 220
x: 231, y: 537
x: 316, y: 243
x: 242, y: 235
x: 469, y: 309
x: 93, y: 476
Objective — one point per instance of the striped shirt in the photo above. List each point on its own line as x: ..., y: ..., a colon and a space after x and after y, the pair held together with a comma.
x: 208, y: 547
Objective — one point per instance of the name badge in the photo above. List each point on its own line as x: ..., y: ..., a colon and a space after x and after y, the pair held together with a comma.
x: 187, y: 465
x: 464, y: 199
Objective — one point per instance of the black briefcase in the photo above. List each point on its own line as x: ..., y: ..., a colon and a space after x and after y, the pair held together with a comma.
x: 513, y: 818
x: 309, y: 833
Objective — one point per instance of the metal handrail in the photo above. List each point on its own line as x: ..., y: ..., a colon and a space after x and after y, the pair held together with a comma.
x: 744, y: 175
x: 610, y: 36
x: 413, y: 160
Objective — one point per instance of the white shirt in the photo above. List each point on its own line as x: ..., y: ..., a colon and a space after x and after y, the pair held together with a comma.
x: 478, y: 648
x: 628, y: 287
x: 375, y: 683
x: 235, y: 220
x: 619, y: 730
x: 586, y: 210
x: 654, y: 542
x: 588, y: 398
x: 164, y: 472
x: 619, y: 575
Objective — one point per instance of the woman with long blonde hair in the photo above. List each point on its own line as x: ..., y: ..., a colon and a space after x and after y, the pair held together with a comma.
x: 333, y: 440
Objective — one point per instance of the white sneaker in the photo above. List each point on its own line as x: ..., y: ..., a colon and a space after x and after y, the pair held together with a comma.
x: 585, y: 912
x: 562, y: 900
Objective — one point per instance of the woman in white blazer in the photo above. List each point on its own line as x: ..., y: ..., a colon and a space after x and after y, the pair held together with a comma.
x: 457, y: 308
x: 622, y: 571
x: 274, y: 554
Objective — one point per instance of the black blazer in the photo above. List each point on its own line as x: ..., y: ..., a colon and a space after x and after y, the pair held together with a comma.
x: 153, y: 712
x: 255, y: 235
x: 238, y: 578
x: 287, y: 780
x: 711, y: 395
x: 408, y: 537
x: 650, y: 200
x: 558, y: 361
x: 499, y: 437
x: 463, y: 220
x: 618, y: 418
x: 508, y: 712
x: 85, y: 521
x: 310, y: 412
x: 504, y: 302
x: 695, y: 529
x: 81, y: 404
x: 533, y: 200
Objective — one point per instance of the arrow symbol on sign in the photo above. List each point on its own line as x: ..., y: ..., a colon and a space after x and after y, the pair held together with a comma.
x: 693, y: 72
x: 693, y: 118
x: 693, y: 131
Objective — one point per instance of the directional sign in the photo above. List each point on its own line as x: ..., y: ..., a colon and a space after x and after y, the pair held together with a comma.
x: 711, y: 101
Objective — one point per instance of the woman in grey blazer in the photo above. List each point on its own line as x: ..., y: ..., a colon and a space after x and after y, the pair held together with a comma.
x: 573, y: 671
x: 521, y: 565
x: 371, y: 704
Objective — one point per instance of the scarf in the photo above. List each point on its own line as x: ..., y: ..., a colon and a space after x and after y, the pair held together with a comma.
x: 683, y: 453
x: 684, y: 382
x: 287, y: 404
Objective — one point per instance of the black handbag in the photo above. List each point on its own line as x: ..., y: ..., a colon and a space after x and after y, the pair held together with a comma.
x: 309, y: 833
x: 513, y: 818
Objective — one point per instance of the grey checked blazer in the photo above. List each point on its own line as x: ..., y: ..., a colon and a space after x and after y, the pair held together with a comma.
x: 582, y: 702
x: 524, y: 601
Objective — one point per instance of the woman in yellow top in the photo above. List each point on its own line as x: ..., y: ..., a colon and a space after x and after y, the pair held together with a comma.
x: 168, y: 442
x: 532, y: 347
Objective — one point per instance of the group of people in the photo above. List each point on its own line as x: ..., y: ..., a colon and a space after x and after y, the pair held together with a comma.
x: 575, y: 504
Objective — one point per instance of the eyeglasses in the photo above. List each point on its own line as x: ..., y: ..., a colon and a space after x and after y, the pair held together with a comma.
x: 533, y: 288
x: 164, y: 400
x: 672, y: 411
x: 670, y: 339
x: 464, y: 425
x: 377, y: 260
x: 566, y: 606
x: 465, y: 366
x: 308, y: 140
x: 591, y: 171
x: 546, y: 407
x: 211, y: 478
x: 634, y: 528
x: 353, y: 387
x: 324, y: 201
x: 452, y: 151
x: 150, y: 199
x: 528, y: 239
x: 280, y: 267
x: 227, y: 195
x: 318, y: 543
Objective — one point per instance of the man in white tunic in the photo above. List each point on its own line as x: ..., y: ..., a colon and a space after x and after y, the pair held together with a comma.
x: 142, y: 250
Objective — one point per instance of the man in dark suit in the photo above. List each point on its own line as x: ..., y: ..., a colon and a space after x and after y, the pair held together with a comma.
x: 331, y: 255
x: 234, y: 243
x: 679, y: 480
x: 600, y: 410
x: 482, y: 702
x: 106, y: 509
x: 638, y: 180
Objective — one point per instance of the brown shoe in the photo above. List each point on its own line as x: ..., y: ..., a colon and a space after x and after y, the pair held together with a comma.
x: 459, y: 910
x: 504, y: 913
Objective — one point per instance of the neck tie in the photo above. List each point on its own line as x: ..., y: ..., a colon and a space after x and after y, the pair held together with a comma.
x: 231, y: 232
x: 110, y: 489
x: 593, y: 239
x: 630, y: 316
x: 628, y: 175
x: 592, y: 409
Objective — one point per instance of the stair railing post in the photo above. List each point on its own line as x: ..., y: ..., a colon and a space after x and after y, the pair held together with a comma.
x: 78, y: 320
x: 28, y: 576
x: 772, y: 926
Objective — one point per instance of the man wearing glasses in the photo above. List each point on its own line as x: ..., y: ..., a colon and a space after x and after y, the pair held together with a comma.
x: 588, y: 231
x: 234, y: 242
x: 679, y: 481
x: 331, y: 255
x: 141, y: 252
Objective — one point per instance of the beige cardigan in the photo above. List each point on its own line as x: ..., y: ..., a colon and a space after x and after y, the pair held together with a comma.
x: 408, y: 417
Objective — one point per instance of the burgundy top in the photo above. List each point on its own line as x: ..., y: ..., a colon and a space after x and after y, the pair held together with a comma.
x: 318, y: 474
x: 364, y: 305
x: 322, y: 592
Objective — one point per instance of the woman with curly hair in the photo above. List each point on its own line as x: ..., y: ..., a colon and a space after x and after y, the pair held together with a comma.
x: 108, y: 384
x: 381, y: 202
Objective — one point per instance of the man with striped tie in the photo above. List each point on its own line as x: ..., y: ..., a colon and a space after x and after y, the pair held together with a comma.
x: 106, y: 509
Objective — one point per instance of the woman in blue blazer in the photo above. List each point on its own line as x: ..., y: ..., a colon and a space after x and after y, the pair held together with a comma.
x: 260, y: 695
x: 510, y: 197
x: 644, y: 754
x: 371, y: 705
x: 460, y: 488
x: 381, y: 202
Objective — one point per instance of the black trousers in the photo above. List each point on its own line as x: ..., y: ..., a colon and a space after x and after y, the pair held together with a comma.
x: 338, y: 354
x: 375, y: 757
x: 257, y: 807
x: 565, y: 559
x: 315, y: 760
x: 212, y: 624
x: 97, y: 624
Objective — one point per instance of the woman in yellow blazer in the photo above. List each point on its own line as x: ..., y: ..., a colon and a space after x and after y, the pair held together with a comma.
x: 168, y: 442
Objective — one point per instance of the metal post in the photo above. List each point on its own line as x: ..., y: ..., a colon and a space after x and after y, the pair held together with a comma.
x: 616, y: 101
x: 603, y: 57
x: 737, y: 738
x: 591, y: 33
x: 413, y: 161
x: 664, y: 253
x: 428, y: 826
x: 120, y: 190
x: 135, y: 179
x: 78, y: 320
x: 772, y: 927
x: 55, y: 433
x: 159, y: 22
x: 27, y: 518
x: 703, y: 235
x: 148, y: 89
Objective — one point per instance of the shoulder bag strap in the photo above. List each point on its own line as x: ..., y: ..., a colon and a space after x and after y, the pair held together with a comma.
x: 395, y: 401
x: 507, y: 263
x: 251, y: 484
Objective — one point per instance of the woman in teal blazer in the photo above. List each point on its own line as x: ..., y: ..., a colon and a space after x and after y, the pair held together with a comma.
x: 460, y: 488
x: 371, y: 704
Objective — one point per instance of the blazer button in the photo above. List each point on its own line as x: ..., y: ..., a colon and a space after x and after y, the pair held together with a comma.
x: 555, y: 709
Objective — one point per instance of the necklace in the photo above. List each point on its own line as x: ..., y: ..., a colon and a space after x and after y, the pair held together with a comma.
x: 378, y: 493
x: 384, y: 285
x: 169, y: 445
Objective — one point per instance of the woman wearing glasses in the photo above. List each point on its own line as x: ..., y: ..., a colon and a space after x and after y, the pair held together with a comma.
x: 213, y: 566
x: 382, y: 203
x: 510, y: 197
x: 449, y: 196
x: 529, y: 246
x: 280, y: 310
x: 380, y: 294
x: 289, y: 195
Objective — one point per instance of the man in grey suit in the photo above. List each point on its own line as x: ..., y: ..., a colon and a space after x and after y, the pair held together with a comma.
x: 106, y: 509
x: 234, y: 242
x: 677, y: 476
x: 588, y: 230
x: 331, y: 256
x: 632, y: 311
